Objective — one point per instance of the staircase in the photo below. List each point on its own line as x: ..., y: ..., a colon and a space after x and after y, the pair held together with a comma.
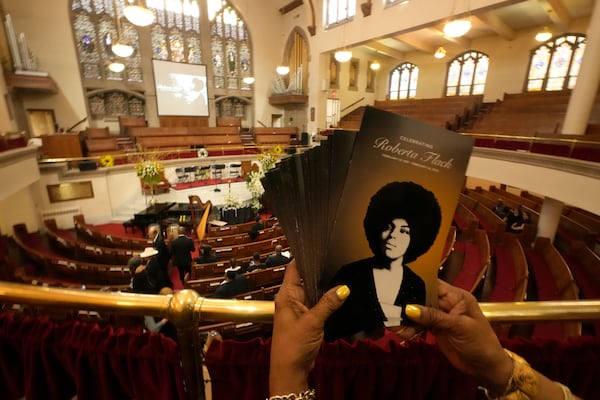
x: 247, y: 137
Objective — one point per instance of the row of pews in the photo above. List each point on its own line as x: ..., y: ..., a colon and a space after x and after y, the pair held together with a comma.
x: 522, y: 266
x: 528, y: 121
x: 99, y: 141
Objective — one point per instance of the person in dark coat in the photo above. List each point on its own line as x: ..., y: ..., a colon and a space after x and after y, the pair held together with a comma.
x: 401, y: 224
x: 163, y: 256
x: 182, y: 248
x: 206, y: 257
x: 234, y: 284
x: 276, y: 259
x: 256, y: 228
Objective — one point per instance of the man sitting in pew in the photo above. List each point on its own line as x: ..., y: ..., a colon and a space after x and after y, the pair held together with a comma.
x: 277, y: 259
x: 235, y: 283
x: 500, y: 209
x: 207, y: 256
x: 255, y: 264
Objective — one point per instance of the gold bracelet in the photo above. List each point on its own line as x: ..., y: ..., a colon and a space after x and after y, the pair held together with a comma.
x: 524, y: 383
x: 308, y: 394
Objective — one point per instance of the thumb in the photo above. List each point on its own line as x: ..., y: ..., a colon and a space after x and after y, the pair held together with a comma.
x: 330, y: 302
x: 431, y: 318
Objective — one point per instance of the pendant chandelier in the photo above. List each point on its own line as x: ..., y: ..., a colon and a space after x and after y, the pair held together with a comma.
x: 138, y: 14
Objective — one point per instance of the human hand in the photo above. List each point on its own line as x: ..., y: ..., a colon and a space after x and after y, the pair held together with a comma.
x: 465, y: 336
x: 298, y: 332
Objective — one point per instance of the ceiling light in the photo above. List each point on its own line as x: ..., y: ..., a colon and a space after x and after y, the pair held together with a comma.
x: 375, y: 66
x: 343, y: 55
x: 116, y: 67
x: 440, y: 52
x: 457, y: 28
x: 122, y: 50
x: 543, y: 35
x: 248, y: 80
x: 282, y: 70
x: 138, y: 15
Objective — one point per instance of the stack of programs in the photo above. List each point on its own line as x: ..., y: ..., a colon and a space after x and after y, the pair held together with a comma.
x: 371, y: 209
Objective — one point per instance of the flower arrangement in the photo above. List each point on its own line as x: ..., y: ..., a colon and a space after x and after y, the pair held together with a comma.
x: 107, y: 160
x: 149, y: 171
x: 267, y: 160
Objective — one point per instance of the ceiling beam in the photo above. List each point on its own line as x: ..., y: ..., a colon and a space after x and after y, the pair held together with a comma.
x: 460, y: 41
x: 290, y: 6
x: 388, y: 51
x: 557, y: 12
x: 416, y: 43
x: 497, y: 25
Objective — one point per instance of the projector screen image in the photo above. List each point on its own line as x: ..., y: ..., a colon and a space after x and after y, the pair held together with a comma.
x: 180, y: 89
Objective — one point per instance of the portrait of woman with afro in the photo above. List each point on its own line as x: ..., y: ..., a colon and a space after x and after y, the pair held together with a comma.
x: 401, y: 223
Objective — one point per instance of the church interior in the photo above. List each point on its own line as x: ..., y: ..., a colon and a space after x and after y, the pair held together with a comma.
x: 121, y: 116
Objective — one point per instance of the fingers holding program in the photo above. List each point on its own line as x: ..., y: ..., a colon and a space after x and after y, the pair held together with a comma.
x: 298, y: 332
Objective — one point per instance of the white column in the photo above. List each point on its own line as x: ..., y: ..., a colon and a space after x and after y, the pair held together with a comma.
x: 549, y: 218
x: 584, y: 93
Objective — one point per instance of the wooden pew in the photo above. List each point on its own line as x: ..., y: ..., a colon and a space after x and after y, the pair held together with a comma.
x: 58, y: 266
x: 257, y: 279
x: 275, y: 136
x: 101, y: 146
x: 214, y: 231
x: 248, y: 249
x: 477, y: 259
x: 87, y: 233
x: 241, y: 238
x: 85, y: 251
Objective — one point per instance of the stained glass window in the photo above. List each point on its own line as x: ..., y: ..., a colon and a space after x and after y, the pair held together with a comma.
x: 555, y: 64
x: 337, y: 11
x: 230, y: 45
x: 403, y: 81
x: 467, y: 74
x: 175, y: 34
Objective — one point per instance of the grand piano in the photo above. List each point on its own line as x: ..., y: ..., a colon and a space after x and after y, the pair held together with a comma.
x: 151, y: 215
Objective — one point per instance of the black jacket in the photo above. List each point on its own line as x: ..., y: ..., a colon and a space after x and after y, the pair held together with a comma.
x: 361, y: 310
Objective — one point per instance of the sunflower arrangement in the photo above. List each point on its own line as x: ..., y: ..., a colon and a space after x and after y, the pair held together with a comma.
x: 107, y: 160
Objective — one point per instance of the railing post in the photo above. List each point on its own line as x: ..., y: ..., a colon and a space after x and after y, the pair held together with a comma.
x: 182, y: 313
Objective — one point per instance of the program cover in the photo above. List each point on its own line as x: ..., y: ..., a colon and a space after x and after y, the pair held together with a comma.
x: 392, y: 220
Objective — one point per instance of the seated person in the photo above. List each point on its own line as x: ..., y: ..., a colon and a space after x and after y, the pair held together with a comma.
x: 256, y: 228
x: 235, y: 283
x: 234, y: 265
x: 276, y: 259
x: 500, y: 209
x: 255, y: 264
x: 206, y: 257
x: 161, y: 325
x: 515, y: 220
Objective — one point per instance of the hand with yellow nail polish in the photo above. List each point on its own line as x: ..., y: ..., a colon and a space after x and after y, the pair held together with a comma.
x: 464, y: 335
x: 298, y: 332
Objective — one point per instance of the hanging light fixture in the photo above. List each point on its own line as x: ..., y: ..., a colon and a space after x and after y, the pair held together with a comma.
x: 283, y: 70
x: 248, y: 80
x: 119, y: 48
x: 457, y: 28
x: 544, y: 35
x: 375, y: 66
x: 116, y: 66
x: 440, y: 52
x: 138, y: 14
x: 343, y: 55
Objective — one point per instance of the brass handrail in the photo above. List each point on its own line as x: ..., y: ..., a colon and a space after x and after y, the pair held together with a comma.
x: 186, y: 309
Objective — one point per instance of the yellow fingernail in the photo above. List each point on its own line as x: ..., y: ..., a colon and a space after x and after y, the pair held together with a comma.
x: 343, y: 292
x: 412, y: 311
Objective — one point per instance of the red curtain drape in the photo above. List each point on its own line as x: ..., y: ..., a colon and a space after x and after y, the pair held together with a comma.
x: 391, y: 369
x: 40, y: 359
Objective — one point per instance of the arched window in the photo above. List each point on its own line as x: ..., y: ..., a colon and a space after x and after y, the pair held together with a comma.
x: 95, y: 28
x: 403, y: 81
x: 467, y: 74
x: 554, y: 65
x: 176, y: 33
x: 230, y: 46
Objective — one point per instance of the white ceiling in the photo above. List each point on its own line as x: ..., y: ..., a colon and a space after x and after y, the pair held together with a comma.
x: 503, y: 21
